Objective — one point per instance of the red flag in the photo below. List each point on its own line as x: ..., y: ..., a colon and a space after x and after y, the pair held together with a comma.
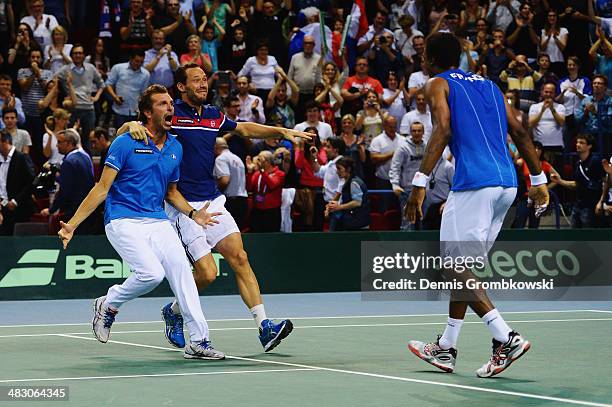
x: 363, y: 19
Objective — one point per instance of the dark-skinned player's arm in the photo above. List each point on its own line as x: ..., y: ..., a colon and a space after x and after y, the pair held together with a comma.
x: 538, y: 192
x: 436, y: 93
x: 94, y: 198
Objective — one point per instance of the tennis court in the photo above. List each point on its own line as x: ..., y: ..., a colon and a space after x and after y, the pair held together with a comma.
x: 343, y: 352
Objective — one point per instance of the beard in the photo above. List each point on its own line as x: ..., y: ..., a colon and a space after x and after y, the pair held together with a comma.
x: 194, y: 98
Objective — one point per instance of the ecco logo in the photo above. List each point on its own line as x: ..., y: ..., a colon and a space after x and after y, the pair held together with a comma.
x: 32, y: 276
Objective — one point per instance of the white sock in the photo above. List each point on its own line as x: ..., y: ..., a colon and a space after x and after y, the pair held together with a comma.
x: 259, y: 314
x: 496, y: 324
x: 451, y: 333
x: 175, y: 307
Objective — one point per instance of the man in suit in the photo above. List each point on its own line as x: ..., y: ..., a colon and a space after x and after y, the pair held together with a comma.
x: 16, y: 178
x: 75, y: 182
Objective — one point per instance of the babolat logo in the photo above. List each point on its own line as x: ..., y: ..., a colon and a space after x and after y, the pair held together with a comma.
x: 25, y: 276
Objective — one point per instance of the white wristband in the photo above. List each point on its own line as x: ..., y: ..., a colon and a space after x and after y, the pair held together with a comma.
x: 420, y: 180
x: 538, y: 179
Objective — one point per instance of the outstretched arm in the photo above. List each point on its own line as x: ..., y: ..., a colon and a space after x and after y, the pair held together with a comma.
x: 96, y: 196
x: 256, y: 130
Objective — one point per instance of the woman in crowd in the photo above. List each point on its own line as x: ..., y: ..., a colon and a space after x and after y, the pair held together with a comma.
x: 261, y: 69
x: 57, y: 54
x: 571, y: 90
x: 56, y: 98
x: 309, y: 197
x: 97, y: 57
x: 53, y: 125
x: 394, y: 97
x: 352, y: 211
x: 195, y: 54
x: 370, y: 119
x: 281, y: 107
x: 19, y: 53
x: 553, y: 41
x: 470, y: 16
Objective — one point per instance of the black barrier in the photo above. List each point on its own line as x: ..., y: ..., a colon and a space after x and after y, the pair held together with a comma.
x: 37, y: 268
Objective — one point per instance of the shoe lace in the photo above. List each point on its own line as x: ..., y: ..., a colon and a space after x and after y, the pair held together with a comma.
x: 177, y: 326
x: 498, y: 356
x: 109, y: 318
x: 206, y: 344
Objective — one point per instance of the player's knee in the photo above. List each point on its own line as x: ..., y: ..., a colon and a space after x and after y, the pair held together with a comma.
x: 206, y: 278
x: 240, y: 259
x: 152, y: 278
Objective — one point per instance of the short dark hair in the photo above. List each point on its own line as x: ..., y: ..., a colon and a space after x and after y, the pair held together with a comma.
x: 538, y: 145
x: 588, y: 138
x: 6, y: 137
x: 145, y: 103
x: 137, y: 53
x: 8, y: 110
x: 311, y: 104
x: 75, y: 46
x: 228, y: 102
x: 444, y: 50
x: 338, y: 144
x: 5, y: 77
x: 100, y: 132
x: 348, y: 163
x: 180, y: 76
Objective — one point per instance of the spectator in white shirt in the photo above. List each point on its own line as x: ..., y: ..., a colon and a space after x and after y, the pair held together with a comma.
x: 416, y: 83
x: 332, y: 183
x: 161, y: 61
x: 304, y: 70
x: 261, y: 69
x: 41, y: 24
x: 395, y: 96
x: 313, y: 116
x: 251, y: 106
x: 421, y: 114
x: 502, y: 13
x: 230, y: 173
x: 375, y: 30
x: 546, y: 120
x: 57, y: 54
x: 553, y: 41
x: 404, y: 36
x: 381, y: 152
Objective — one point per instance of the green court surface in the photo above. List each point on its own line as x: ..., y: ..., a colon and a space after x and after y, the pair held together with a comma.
x: 329, y: 361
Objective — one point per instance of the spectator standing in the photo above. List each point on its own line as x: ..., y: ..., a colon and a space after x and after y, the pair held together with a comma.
x: 75, y: 181
x: 332, y: 81
x: 553, y: 42
x: 421, y: 114
x: 416, y: 83
x: 370, y: 119
x: 234, y: 50
x: 135, y: 30
x: 55, y: 124
x: 367, y: 41
x: 403, y: 38
x: 21, y: 138
x: 305, y: 71
x: 416, y: 60
x: 588, y: 176
x: 394, y: 96
x: 161, y: 61
x: 33, y: 83
x: 41, y: 24
x: 521, y: 77
x: 309, y: 196
x: 496, y: 56
x: 195, y: 55
x: 546, y: 75
x: 546, y: 120
x: 176, y: 26
x: 98, y: 58
x: 355, y: 147
x: 352, y: 210
x: 261, y: 69
x: 404, y: 163
x: 212, y: 35
x: 313, y: 116
x: 86, y: 81
x: 266, y: 181
x: 57, y: 53
x: 469, y: 16
x: 603, y: 60
x: 8, y: 100
x: 332, y: 184
x: 521, y: 34
x: 356, y: 87
x: 125, y: 83
x: 16, y: 176
x: 217, y: 11
x: 251, y: 106
x: 281, y: 108
x: 19, y: 54
x: 99, y: 141
x: 382, y: 149
x: 229, y: 172
x: 384, y: 57
x: 594, y: 116
x: 571, y: 90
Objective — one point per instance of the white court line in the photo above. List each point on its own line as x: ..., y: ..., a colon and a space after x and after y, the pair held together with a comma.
x: 307, y: 318
x: 319, y: 326
x: 57, y: 379
x: 379, y: 376
x: 601, y: 310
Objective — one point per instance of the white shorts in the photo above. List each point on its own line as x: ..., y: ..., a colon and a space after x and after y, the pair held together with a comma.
x: 197, y: 240
x: 476, y: 217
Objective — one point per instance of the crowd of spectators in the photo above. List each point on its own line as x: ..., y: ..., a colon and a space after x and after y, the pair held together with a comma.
x: 72, y: 73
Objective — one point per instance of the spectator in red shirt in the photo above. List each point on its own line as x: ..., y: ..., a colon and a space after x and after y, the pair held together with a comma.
x: 266, y: 182
x: 309, y: 196
x: 356, y: 87
x: 524, y: 208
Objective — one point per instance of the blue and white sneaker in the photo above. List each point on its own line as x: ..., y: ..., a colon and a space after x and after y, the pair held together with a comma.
x: 103, y: 320
x: 174, y: 327
x: 271, y: 334
x: 202, y: 350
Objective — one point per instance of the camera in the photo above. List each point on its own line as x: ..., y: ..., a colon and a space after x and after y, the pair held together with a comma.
x: 382, y: 40
x: 44, y: 183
